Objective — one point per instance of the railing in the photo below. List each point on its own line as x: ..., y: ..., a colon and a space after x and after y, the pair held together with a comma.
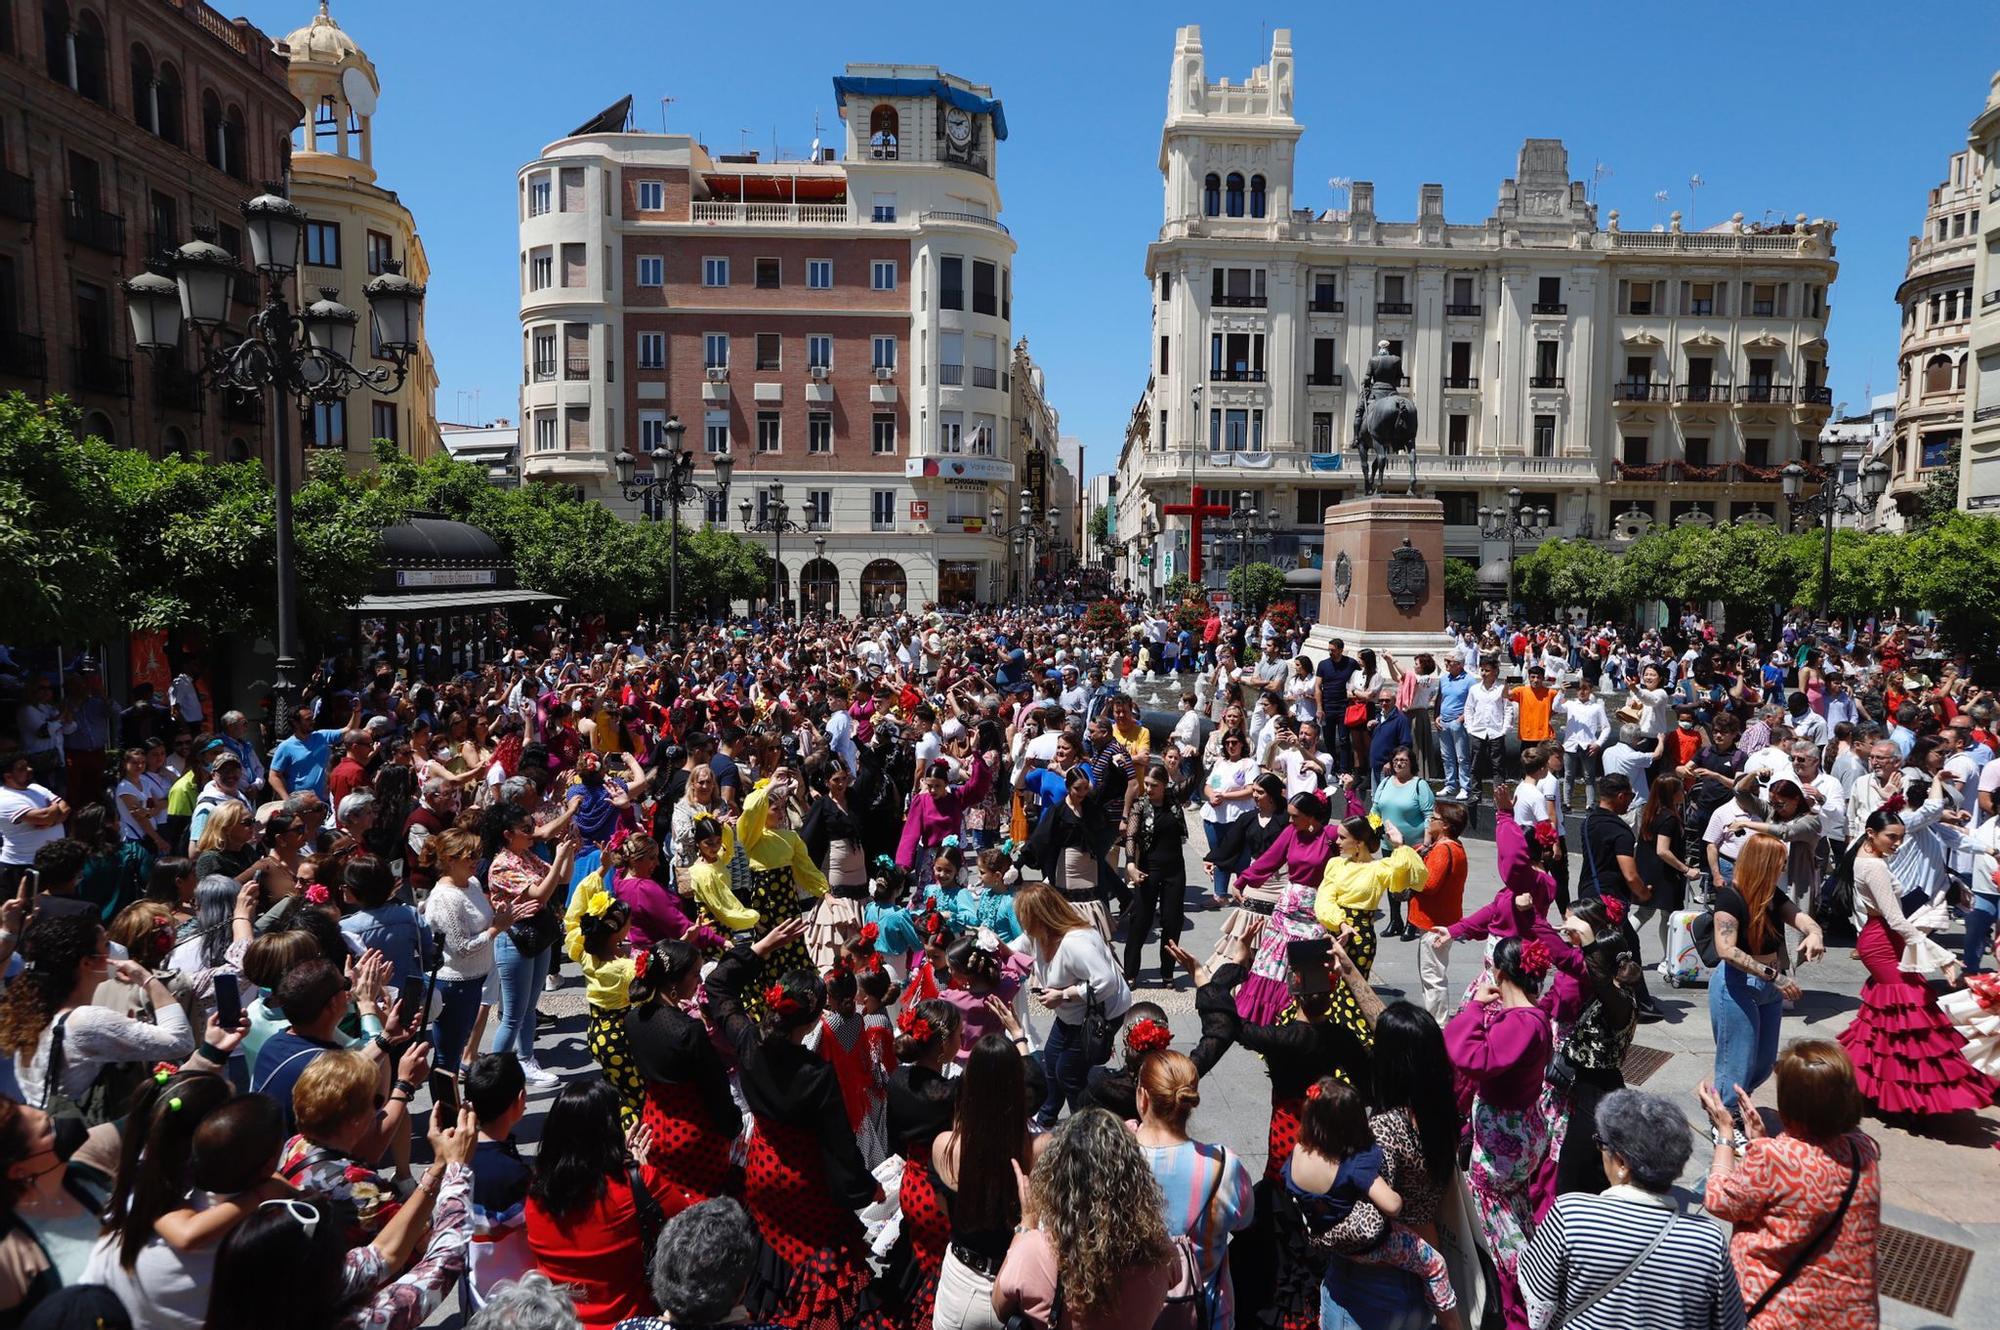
x: 951, y: 375
x: 544, y: 371
x: 1237, y: 302
x: 1987, y: 413
x: 94, y: 228
x: 1298, y: 461
x: 1327, y: 307
x: 17, y: 196
x: 1764, y: 392
x: 1549, y: 307
x: 1638, y: 392
x: 1990, y: 298
x: 1545, y: 381
x: 1392, y: 307
x: 246, y: 407
x: 1464, y: 311
x: 213, y: 22
x: 1641, y: 471
x: 1698, y: 473
x: 1708, y: 242
x: 1820, y: 396
x: 21, y: 356
x: 1322, y: 380
x: 1236, y: 375
x: 963, y: 219
x: 1753, y: 473
x: 985, y: 377
x: 1461, y: 381
x: 576, y: 367
x: 177, y: 388
x: 98, y: 373
x: 1702, y: 392
x: 773, y: 214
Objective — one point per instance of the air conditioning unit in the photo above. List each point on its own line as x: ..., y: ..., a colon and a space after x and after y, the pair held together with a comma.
x: 884, y: 373
x: 819, y: 373
x: 718, y: 374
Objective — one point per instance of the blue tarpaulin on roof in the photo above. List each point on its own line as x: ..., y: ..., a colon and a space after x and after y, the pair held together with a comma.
x: 959, y: 97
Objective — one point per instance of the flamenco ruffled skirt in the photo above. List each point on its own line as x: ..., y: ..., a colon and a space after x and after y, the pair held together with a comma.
x: 1907, y: 1056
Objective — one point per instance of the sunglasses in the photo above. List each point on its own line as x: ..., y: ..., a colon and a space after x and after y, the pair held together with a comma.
x: 306, y: 1214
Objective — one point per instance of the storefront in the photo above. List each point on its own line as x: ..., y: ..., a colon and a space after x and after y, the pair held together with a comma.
x: 441, y: 601
x: 958, y: 582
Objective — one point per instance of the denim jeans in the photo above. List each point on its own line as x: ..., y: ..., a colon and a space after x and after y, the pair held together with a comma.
x: 458, y: 1008
x: 1064, y: 1065
x: 520, y: 990
x: 1979, y: 924
x: 1745, y: 1013
x: 1360, y: 1296
x: 1221, y: 885
x: 1455, y: 750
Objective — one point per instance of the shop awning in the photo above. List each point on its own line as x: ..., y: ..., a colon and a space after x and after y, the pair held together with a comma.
x: 449, y: 602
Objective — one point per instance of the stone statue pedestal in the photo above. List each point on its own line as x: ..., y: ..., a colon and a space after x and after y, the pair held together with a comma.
x: 1382, y: 578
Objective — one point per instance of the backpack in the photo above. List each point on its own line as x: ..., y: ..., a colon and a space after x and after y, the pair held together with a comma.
x: 1186, y: 1307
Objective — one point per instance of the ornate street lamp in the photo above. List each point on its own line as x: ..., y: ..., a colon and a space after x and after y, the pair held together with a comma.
x: 671, y: 483
x: 1512, y: 522
x: 776, y: 521
x: 1833, y: 500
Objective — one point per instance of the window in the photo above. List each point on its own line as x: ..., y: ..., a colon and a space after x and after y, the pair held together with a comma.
x: 1757, y: 452
x: 1161, y: 437
x: 541, y: 270
x: 1165, y: 341
x: 1639, y: 297
x: 819, y: 432
x: 1460, y: 373
x: 1545, y: 366
x: 1326, y: 292
x: 882, y: 275
x: 1464, y: 296
x: 323, y: 244
x: 951, y: 432
x: 770, y: 351
x: 539, y: 194
x: 770, y: 274
x: 1763, y: 298
x: 1211, y: 195
x: 576, y: 429
x: 951, y: 282
x: 883, y: 208
x: 819, y: 508
x: 884, y: 432
x: 381, y: 253
x: 1457, y: 434
x: 545, y: 431
x: 715, y: 350
x: 1324, y: 370
x: 770, y: 439
x: 1393, y: 287
x: 1322, y: 432
x: 1237, y: 287
x: 1461, y: 507
x: 652, y: 350
x: 1548, y: 292
x: 1633, y: 449
x: 576, y: 351
x: 715, y: 432
x: 715, y: 508
x: 884, y: 353
x: 1937, y: 374
x: 981, y: 444
x: 1702, y: 298
x: 652, y: 431
x: 819, y: 274
x: 882, y: 510
x: 1007, y: 293
x: 1545, y: 436
x: 951, y: 357
x: 1695, y: 451
x: 573, y: 197
x: 715, y: 272
x: 1257, y: 196
x: 572, y: 266
x: 652, y: 270
x: 329, y: 425
x: 382, y: 418
x: 1233, y: 195
x: 1166, y: 287
x: 819, y: 351
x: 545, y: 353
x: 985, y: 293
x: 652, y: 196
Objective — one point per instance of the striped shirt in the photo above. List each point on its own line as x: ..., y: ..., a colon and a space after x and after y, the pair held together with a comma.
x: 1188, y: 1173
x: 1584, y: 1242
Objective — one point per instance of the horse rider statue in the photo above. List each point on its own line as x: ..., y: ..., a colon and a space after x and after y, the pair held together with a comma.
x: 1385, y: 421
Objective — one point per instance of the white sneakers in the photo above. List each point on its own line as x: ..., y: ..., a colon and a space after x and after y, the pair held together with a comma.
x: 537, y: 1077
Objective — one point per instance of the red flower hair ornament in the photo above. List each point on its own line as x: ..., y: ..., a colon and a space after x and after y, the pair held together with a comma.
x: 914, y: 1026
x: 1313, y: 1090
x: 1147, y: 1036
x: 778, y: 1000
x: 1614, y: 910
x: 1535, y: 960
x: 639, y: 964
x: 868, y: 934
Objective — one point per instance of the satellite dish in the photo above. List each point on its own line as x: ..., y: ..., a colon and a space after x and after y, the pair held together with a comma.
x: 1631, y: 525
x: 359, y: 92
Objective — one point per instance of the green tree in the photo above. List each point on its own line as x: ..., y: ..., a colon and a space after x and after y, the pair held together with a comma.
x: 1745, y: 568
x: 1939, y: 497
x: 1178, y: 588
x: 1566, y: 574
x: 1100, y: 526
x: 719, y: 566
x: 59, y: 527
x: 1461, y: 584
x: 1256, y: 585
x: 1953, y: 570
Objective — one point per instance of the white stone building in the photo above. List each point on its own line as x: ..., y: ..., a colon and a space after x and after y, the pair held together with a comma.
x: 1979, y: 458
x: 1602, y: 371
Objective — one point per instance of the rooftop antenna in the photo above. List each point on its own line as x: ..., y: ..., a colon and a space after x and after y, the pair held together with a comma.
x: 664, y: 101
x: 1598, y: 173
x: 743, y: 146
x: 1341, y: 184
x: 1695, y: 182
x: 816, y: 132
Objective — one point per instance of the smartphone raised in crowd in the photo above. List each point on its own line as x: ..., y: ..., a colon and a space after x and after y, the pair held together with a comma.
x: 410, y: 997
x: 228, y: 1001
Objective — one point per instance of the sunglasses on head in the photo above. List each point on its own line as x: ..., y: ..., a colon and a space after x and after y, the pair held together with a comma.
x: 306, y: 1214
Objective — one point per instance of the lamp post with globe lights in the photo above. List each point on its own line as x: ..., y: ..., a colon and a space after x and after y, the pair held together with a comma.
x: 1021, y: 536
x: 1511, y: 522
x: 306, y: 355
x: 776, y: 520
x: 1833, y: 500
x: 672, y: 483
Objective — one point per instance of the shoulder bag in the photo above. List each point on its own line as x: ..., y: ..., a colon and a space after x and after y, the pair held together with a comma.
x: 1604, y: 1290
x: 1811, y: 1249
x: 106, y: 1099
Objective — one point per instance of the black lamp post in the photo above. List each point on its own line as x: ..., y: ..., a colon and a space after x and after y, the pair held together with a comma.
x: 672, y: 482
x: 777, y: 523
x: 1249, y: 527
x: 1020, y: 536
x: 1512, y: 522
x: 1833, y: 500
x: 305, y: 355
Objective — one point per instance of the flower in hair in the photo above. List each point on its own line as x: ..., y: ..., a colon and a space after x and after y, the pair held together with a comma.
x: 639, y: 964
x: 1614, y: 910
x: 868, y: 934
x: 914, y: 1026
x: 1313, y: 1090
x: 1147, y: 1035
x: 164, y: 1071
x: 778, y: 1000
x: 1535, y: 959
x: 599, y: 902
x: 317, y: 894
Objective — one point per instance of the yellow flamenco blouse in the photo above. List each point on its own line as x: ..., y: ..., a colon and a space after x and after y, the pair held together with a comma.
x: 708, y: 883
x: 1350, y: 888
x: 772, y: 848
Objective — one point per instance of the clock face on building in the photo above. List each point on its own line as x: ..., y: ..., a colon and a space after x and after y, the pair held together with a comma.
x: 958, y: 126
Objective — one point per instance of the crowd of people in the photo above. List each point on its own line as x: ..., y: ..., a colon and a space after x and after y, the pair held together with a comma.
x: 860, y: 914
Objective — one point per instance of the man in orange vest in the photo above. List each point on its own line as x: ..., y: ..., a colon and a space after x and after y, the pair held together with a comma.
x: 1534, y: 702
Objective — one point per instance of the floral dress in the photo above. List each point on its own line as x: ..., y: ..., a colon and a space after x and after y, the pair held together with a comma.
x: 1265, y: 994
x: 1504, y: 1052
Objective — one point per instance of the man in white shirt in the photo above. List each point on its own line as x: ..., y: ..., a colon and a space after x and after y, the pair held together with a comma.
x: 1585, y: 730
x: 1074, y: 695
x: 1963, y: 769
x: 1822, y: 791
x: 1632, y: 757
x: 1184, y: 744
x: 1883, y: 778
x: 31, y: 816
x: 840, y: 729
x: 1486, y: 723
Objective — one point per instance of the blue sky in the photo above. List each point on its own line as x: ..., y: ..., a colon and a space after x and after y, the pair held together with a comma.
x: 1841, y: 109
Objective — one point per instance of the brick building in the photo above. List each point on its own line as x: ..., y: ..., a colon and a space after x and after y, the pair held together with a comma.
x: 840, y: 324
x: 122, y: 128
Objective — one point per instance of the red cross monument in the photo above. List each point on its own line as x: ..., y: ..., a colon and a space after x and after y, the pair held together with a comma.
x: 1195, y: 512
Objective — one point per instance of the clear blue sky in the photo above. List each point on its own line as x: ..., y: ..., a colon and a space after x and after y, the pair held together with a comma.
x: 1841, y: 109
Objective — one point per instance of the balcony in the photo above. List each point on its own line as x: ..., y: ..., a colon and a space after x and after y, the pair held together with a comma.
x: 1698, y: 473
x: 544, y: 371
x: 93, y: 228
x: 1764, y: 392
x: 1634, y: 391
x: 1327, y: 307
x: 96, y: 372
x: 951, y: 376
x: 1986, y: 413
x: 1642, y: 471
x: 1237, y: 302
x: 177, y: 388
x: 1549, y: 307
x: 985, y: 376
x: 965, y: 219
x: 1990, y: 298
x: 576, y: 367
x: 1392, y: 307
x: 1464, y: 311
x: 1750, y: 473
x: 244, y: 407
x: 1224, y: 469
x: 773, y: 214
x: 1545, y: 381
x: 1220, y: 375
x: 17, y: 196
x: 1322, y: 380
x: 1461, y: 382
x: 1702, y: 392
x: 21, y: 356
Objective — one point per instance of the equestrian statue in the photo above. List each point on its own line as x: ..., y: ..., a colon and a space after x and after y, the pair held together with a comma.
x: 1385, y: 421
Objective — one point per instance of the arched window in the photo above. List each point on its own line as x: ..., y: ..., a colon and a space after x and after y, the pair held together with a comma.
x: 884, y: 131
x: 1937, y: 374
x: 235, y: 144
x: 1211, y: 195
x: 55, y: 42
x: 239, y: 450
x: 174, y: 442
x: 1963, y: 361
x: 89, y: 47
x: 883, y: 587
x: 169, y: 103
x: 211, y: 129
x: 1257, y: 201
x: 143, y: 107
x: 97, y: 425
x: 1234, y: 202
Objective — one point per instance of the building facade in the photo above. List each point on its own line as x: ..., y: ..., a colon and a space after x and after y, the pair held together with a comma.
x: 1979, y: 457
x: 842, y: 325
x: 1616, y: 377
x: 355, y: 231
x: 493, y: 447
x: 127, y: 127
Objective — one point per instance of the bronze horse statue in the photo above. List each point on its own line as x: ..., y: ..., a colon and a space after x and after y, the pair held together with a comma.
x: 1385, y: 421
